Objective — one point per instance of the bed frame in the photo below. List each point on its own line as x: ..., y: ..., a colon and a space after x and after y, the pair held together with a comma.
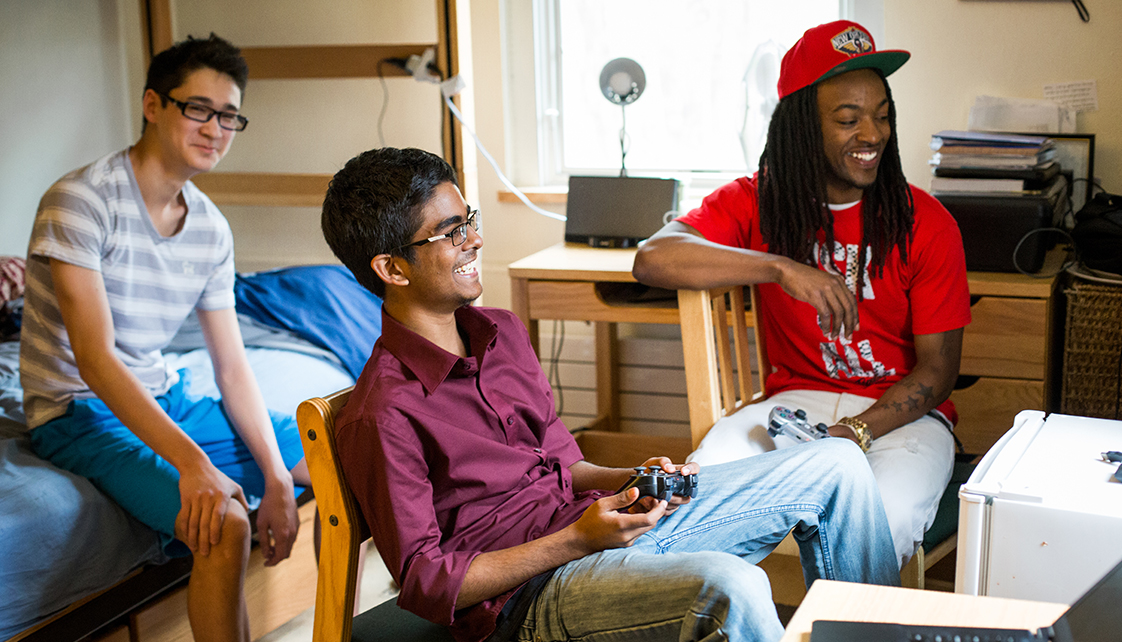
x: 147, y: 602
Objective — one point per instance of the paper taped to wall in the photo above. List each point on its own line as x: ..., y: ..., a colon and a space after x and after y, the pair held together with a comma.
x: 1081, y: 95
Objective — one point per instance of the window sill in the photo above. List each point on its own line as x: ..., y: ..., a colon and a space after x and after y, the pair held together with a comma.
x: 556, y: 195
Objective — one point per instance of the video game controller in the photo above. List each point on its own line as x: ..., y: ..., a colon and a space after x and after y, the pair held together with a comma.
x: 793, y: 424
x: 653, y: 481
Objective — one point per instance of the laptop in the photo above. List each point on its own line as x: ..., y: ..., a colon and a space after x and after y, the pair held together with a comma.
x: 1095, y: 617
x: 610, y: 211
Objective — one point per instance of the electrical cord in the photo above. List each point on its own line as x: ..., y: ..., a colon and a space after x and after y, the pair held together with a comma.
x: 1067, y: 264
x: 487, y: 155
x: 1082, y: 10
x: 385, y: 96
x: 554, y: 374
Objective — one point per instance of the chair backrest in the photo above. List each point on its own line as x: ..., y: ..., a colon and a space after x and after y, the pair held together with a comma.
x: 718, y: 370
x: 341, y: 524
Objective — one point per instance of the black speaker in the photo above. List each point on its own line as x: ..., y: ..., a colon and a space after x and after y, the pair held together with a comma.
x: 993, y: 226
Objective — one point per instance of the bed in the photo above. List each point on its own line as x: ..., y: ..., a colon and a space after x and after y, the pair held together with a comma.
x: 62, y: 541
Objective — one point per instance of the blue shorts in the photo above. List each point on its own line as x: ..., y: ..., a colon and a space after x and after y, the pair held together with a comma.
x: 90, y: 441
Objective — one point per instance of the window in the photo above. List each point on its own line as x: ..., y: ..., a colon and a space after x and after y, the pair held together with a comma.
x: 710, y: 66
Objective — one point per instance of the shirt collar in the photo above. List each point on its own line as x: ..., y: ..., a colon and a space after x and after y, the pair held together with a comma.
x: 430, y: 363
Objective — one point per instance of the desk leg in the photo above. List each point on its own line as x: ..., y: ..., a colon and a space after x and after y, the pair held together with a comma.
x: 520, y: 306
x: 607, y: 380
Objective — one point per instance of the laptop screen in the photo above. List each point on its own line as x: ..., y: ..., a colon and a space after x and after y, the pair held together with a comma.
x: 609, y: 211
x: 1097, y: 616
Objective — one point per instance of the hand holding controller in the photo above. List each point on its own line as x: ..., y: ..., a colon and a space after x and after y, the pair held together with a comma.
x: 793, y: 424
x: 653, y: 481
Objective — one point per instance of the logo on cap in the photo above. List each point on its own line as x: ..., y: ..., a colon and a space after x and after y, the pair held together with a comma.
x: 852, y: 42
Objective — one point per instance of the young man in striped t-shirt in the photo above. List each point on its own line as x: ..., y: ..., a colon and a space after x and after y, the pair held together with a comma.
x: 121, y: 252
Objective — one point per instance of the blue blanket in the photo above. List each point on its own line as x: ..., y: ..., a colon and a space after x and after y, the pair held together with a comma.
x: 322, y: 304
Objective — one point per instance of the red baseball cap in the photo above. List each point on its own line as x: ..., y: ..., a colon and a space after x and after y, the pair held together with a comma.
x: 831, y: 49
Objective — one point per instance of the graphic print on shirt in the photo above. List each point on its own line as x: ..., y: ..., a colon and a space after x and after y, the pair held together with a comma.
x: 843, y: 356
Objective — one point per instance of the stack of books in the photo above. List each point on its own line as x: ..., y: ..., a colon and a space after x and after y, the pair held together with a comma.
x: 996, y: 164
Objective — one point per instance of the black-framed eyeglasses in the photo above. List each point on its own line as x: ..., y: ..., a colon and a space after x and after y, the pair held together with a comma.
x: 202, y: 114
x: 458, y: 233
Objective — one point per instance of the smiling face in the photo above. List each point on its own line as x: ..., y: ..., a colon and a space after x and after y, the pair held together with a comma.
x: 853, y: 108
x: 444, y: 277
x: 188, y: 147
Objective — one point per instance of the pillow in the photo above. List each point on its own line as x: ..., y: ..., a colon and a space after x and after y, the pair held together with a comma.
x: 323, y: 304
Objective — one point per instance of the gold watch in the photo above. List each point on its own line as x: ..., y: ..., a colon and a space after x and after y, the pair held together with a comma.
x: 864, y: 437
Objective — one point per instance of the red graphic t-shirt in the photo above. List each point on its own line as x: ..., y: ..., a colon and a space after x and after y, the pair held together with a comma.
x: 927, y: 295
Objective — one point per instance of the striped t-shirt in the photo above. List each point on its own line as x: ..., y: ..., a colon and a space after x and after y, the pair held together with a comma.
x: 95, y: 218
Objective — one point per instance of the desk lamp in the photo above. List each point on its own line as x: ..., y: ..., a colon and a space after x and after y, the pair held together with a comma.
x: 622, y: 82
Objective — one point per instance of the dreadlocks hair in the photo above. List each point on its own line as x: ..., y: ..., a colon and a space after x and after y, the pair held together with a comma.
x: 792, y: 190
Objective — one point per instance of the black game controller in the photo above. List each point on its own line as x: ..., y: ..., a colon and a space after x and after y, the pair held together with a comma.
x: 653, y: 481
x: 793, y: 423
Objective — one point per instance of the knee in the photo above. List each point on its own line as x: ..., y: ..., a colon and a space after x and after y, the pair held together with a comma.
x: 844, y: 455
x: 236, y: 533
x: 724, y: 577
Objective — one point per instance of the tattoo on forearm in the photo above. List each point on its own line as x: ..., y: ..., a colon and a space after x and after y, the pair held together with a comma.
x: 927, y: 392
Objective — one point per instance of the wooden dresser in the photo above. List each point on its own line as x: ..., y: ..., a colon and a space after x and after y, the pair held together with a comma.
x: 1007, y: 354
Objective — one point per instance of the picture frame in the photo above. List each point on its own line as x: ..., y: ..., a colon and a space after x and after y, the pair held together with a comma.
x: 1076, y: 154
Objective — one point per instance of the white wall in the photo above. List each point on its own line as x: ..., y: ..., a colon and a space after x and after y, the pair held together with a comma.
x: 964, y: 48
x: 70, y: 79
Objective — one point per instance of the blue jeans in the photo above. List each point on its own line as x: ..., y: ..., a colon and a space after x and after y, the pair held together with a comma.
x: 693, y: 577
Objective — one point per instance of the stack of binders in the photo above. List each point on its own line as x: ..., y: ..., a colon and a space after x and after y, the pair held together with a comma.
x: 1002, y: 189
x: 989, y: 163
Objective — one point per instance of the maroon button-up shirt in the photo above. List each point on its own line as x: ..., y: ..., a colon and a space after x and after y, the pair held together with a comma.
x: 450, y: 457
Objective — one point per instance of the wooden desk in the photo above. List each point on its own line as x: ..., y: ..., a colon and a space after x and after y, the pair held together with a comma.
x: 571, y: 282
x: 828, y: 600
x: 1006, y: 345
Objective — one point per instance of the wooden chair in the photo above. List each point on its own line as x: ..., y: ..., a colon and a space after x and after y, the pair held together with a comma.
x: 719, y: 383
x: 343, y: 530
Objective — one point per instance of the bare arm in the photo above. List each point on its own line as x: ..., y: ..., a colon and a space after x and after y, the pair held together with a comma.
x: 928, y: 385
x: 204, y: 490
x: 276, y: 517
x: 679, y: 257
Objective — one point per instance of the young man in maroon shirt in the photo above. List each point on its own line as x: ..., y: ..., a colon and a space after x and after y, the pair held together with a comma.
x: 477, y: 496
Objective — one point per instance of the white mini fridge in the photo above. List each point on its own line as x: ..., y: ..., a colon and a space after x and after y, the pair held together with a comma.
x: 1041, y: 517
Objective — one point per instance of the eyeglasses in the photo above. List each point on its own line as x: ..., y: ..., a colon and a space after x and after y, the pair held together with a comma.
x: 458, y: 233
x: 202, y: 114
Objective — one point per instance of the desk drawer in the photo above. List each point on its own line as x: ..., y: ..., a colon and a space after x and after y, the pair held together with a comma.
x: 986, y: 409
x: 579, y: 301
x: 1005, y: 338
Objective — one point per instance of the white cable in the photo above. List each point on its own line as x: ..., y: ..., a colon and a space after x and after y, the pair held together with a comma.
x: 502, y: 177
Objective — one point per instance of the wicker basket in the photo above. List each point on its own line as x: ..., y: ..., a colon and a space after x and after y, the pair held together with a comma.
x: 1092, y: 380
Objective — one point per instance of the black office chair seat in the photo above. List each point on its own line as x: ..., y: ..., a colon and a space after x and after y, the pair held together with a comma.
x: 388, y: 622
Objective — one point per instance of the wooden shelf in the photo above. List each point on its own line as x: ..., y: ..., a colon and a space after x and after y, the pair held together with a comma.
x: 260, y: 188
x: 558, y: 195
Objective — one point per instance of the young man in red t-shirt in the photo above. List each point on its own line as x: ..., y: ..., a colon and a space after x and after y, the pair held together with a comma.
x: 862, y: 277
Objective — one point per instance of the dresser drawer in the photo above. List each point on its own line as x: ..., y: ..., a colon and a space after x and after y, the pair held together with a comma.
x: 986, y: 409
x: 1005, y: 338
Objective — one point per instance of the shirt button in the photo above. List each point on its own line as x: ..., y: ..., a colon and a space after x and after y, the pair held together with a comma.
x: 538, y: 450
x: 510, y: 420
